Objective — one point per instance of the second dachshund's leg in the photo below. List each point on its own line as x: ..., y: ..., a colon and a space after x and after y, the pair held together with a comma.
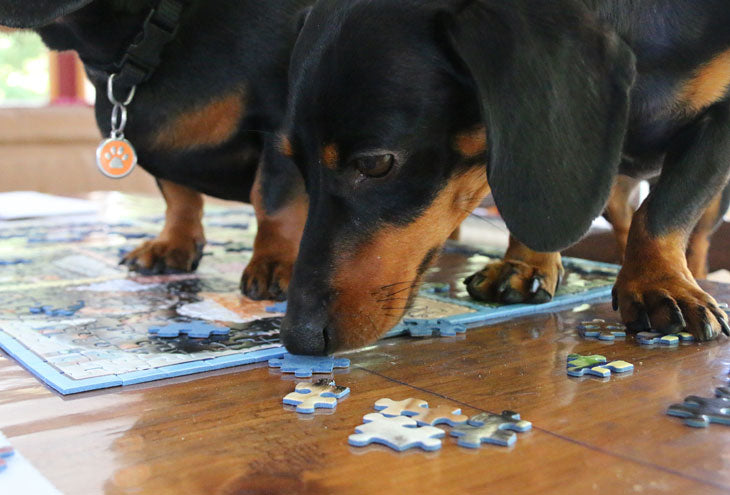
x: 655, y: 288
x: 699, y: 241
x: 179, y: 246
x: 523, y: 276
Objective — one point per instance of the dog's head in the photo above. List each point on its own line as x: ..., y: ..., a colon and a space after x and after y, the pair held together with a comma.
x: 30, y: 14
x: 401, y: 111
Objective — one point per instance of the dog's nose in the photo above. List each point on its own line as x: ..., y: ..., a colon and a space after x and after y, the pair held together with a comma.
x: 308, y: 338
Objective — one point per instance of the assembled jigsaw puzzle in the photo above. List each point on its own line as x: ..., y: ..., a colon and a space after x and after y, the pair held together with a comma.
x: 79, y: 321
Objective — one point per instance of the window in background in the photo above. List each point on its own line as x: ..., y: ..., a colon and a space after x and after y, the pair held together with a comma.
x: 24, y: 66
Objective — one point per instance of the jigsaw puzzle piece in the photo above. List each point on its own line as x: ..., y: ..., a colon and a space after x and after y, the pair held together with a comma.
x: 430, y: 328
x: 580, y: 365
x: 654, y: 338
x: 432, y: 416
x: 193, y: 329
x: 322, y: 394
x: 305, y: 366
x: 399, y: 433
x: 392, y: 408
x: 491, y: 428
x: 602, y: 330
x: 279, y: 307
x: 6, y: 451
x: 595, y: 365
x: 699, y: 412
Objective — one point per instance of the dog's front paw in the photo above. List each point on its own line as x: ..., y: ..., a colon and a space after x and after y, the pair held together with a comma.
x: 668, y: 302
x: 166, y: 255
x: 513, y: 281
x: 267, y: 278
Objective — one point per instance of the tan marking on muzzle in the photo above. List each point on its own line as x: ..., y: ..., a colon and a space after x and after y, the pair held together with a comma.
x: 205, y: 126
x: 374, y: 285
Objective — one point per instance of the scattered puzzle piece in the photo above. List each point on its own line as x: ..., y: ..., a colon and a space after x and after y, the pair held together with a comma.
x: 436, y: 288
x: 399, y: 433
x: 14, y: 262
x: 429, y: 328
x: 305, y: 366
x: 699, y: 412
x: 392, y: 408
x: 5, y: 452
x: 432, y: 416
x: 491, y: 428
x: 595, y: 365
x: 601, y: 330
x: 193, y: 329
x: 56, y: 312
x: 322, y: 394
x: 653, y: 338
x: 418, y: 409
x: 279, y: 307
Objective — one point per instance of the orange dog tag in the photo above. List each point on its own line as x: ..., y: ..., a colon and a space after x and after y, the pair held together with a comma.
x: 116, y: 158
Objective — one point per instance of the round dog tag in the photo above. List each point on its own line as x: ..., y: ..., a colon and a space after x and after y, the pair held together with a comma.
x: 116, y: 158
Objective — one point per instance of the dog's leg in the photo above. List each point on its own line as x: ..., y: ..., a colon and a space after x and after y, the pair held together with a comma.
x: 699, y: 241
x: 621, y: 208
x: 281, y: 203
x: 655, y: 288
x: 523, y: 276
x: 179, y: 246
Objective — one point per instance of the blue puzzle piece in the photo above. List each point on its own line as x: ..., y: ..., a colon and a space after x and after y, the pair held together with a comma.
x: 193, y: 329
x: 279, y: 307
x: 323, y: 394
x: 602, y: 330
x: 14, y: 262
x: 51, y: 311
x: 654, y: 338
x: 429, y: 328
x: 305, y: 366
x: 5, y: 453
x: 595, y: 365
x: 699, y: 412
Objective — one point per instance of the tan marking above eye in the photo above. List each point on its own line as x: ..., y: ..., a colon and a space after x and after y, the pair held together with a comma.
x: 709, y: 84
x: 211, y: 124
x: 285, y: 147
x: 472, y: 143
x: 330, y: 156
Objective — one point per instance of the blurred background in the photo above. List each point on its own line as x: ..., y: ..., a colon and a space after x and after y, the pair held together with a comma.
x: 48, y: 134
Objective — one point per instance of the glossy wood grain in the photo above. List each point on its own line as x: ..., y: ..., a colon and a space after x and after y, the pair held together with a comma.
x: 228, y: 433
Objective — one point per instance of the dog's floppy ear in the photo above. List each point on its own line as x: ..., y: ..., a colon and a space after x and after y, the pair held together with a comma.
x: 554, y: 92
x: 36, y: 13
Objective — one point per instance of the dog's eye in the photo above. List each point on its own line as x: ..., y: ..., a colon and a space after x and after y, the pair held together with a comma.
x: 375, y: 166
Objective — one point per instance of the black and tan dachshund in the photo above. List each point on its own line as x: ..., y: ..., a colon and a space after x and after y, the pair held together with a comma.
x: 403, y: 114
x: 205, y: 120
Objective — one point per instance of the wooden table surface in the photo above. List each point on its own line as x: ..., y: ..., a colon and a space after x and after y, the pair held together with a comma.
x: 228, y: 433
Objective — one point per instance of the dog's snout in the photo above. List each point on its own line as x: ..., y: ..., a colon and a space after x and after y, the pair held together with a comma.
x: 307, y: 338
x: 306, y: 328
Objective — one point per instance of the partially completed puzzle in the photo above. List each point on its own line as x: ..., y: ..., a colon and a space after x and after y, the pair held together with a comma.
x: 79, y: 321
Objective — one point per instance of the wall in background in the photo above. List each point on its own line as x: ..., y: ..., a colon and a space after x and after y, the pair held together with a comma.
x: 52, y: 149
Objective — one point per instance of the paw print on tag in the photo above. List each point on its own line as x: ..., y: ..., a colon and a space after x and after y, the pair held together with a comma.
x: 116, y: 158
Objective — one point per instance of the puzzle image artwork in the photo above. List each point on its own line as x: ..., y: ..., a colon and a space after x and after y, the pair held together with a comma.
x: 79, y: 321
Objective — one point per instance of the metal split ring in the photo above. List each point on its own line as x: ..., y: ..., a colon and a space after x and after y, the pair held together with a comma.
x: 110, y: 92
